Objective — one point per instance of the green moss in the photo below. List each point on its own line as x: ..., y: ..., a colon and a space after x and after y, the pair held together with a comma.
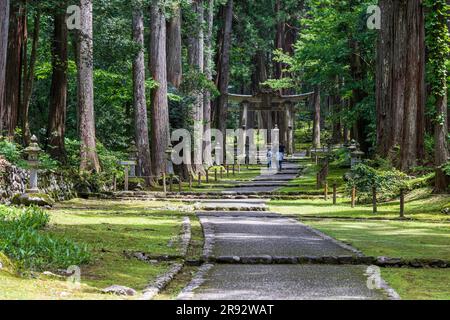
x: 419, y: 284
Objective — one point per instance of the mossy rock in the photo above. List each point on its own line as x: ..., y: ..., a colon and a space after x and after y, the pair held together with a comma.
x: 36, y: 199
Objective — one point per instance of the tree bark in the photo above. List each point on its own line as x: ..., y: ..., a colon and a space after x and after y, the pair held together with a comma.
x: 401, y: 81
x: 13, y: 78
x: 4, y: 26
x: 415, y: 89
x: 174, y: 63
x: 88, y: 152
x: 196, y: 60
x: 209, y: 75
x: 316, y: 125
x: 140, y: 103
x: 58, y: 93
x: 160, y: 112
x: 28, y: 75
x: 441, y: 156
x: 223, y: 67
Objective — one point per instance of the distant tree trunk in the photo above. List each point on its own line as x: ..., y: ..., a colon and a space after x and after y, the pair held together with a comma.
x: 58, y: 91
x: 88, y: 152
x: 223, y: 66
x: 140, y: 103
x: 279, y: 38
x: 196, y: 60
x: 160, y: 112
x: 401, y: 81
x: 316, y: 125
x: 174, y: 64
x: 209, y: 75
x: 4, y: 25
x: 13, y: 78
x: 28, y: 75
x: 358, y: 94
x: 437, y: 57
x: 337, y: 126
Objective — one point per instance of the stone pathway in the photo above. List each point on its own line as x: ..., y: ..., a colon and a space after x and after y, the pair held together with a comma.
x: 242, y: 230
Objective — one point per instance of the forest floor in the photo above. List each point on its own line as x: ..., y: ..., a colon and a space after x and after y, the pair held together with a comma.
x: 108, y: 228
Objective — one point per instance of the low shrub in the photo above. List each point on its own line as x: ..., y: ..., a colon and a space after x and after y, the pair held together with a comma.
x: 387, y: 182
x: 23, y: 240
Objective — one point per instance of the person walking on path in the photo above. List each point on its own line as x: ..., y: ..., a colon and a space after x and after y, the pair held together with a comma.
x: 280, y: 157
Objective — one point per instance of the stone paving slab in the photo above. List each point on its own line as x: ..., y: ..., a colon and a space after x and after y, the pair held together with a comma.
x: 253, y: 235
x: 284, y: 282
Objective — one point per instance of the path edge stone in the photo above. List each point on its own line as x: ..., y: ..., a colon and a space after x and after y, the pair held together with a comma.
x: 188, y: 292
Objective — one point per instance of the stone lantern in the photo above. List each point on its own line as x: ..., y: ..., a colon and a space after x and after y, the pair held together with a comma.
x: 356, y: 157
x: 32, y: 152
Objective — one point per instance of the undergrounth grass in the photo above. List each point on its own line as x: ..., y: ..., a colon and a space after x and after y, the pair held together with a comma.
x: 108, y: 228
x: 419, y: 284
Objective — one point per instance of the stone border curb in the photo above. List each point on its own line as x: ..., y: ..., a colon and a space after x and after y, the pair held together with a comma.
x: 330, y: 260
x: 188, y: 292
x: 186, y: 236
x: 208, y: 235
x: 161, y: 282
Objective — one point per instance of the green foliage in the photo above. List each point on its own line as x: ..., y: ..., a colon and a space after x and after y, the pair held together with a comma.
x: 109, y: 162
x: 387, y: 182
x: 23, y: 240
x: 10, y: 151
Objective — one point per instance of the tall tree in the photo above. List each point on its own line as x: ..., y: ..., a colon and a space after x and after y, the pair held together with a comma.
x: 13, y: 78
x: 209, y: 65
x: 438, y: 51
x: 140, y: 103
x: 58, y: 92
x: 223, y: 66
x: 4, y: 25
x: 28, y: 76
x: 88, y: 152
x: 196, y: 60
x: 400, y: 81
x: 158, y: 64
x: 174, y: 48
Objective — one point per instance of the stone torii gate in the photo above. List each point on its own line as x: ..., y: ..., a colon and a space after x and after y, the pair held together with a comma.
x: 269, y: 109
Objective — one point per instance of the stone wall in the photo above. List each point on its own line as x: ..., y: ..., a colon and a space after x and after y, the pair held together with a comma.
x: 14, y: 181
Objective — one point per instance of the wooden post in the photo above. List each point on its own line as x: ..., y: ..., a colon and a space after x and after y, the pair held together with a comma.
x: 402, y: 203
x: 234, y: 170
x: 228, y: 171
x: 171, y: 182
x: 318, y: 180
x: 190, y: 181
x: 317, y: 159
x: 199, y: 179
x: 326, y: 191
x: 114, y: 183
x: 164, y: 182
x: 207, y: 175
x: 221, y: 173
x: 126, y: 179
x: 215, y: 175
x: 374, y: 199
x: 180, y: 185
x: 334, y: 193
x: 353, y: 196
